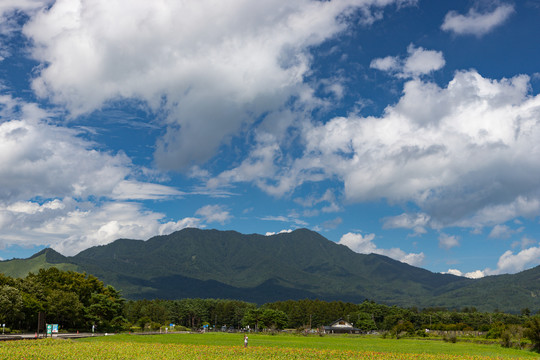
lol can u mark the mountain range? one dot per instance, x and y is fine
(256, 268)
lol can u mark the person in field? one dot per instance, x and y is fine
(245, 340)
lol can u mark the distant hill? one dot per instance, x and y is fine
(296, 265)
(44, 259)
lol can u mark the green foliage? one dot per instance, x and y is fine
(532, 332)
(274, 319)
(72, 300)
(451, 338)
(11, 305)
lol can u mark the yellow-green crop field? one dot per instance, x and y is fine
(122, 348)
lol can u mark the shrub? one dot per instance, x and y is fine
(506, 339)
(452, 338)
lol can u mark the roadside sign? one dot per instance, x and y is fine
(52, 328)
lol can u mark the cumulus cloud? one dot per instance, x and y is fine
(448, 241)
(363, 244)
(418, 62)
(465, 154)
(214, 213)
(477, 274)
(509, 262)
(70, 226)
(244, 58)
(475, 22)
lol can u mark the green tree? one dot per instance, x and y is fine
(104, 307)
(532, 332)
(274, 319)
(64, 308)
(11, 305)
(363, 321)
(253, 318)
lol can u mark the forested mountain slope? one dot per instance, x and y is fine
(296, 265)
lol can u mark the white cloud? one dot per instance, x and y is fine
(284, 231)
(9, 24)
(291, 218)
(525, 241)
(500, 213)
(476, 23)
(418, 62)
(421, 61)
(70, 226)
(509, 263)
(27, 6)
(448, 241)
(136, 190)
(328, 198)
(503, 231)
(214, 213)
(477, 274)
(57, 190)
(364, 244)
(43, 160)
(465, 154)
(244, 58)
(512, 263)
(417, 222)
(389, 63)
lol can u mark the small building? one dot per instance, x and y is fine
(341, 326)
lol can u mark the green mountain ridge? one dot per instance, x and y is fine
(296, 265)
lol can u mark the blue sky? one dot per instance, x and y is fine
(400, 127)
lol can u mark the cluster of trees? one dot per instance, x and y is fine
(70, 299)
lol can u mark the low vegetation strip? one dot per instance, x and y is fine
(353, 343)
(71, 350)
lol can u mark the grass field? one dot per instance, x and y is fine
(229, 346)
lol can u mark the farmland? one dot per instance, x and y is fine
(229, 346)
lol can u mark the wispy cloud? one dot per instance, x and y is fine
(475, 22)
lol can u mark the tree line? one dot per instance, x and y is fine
(305, 314)
(77, 301)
